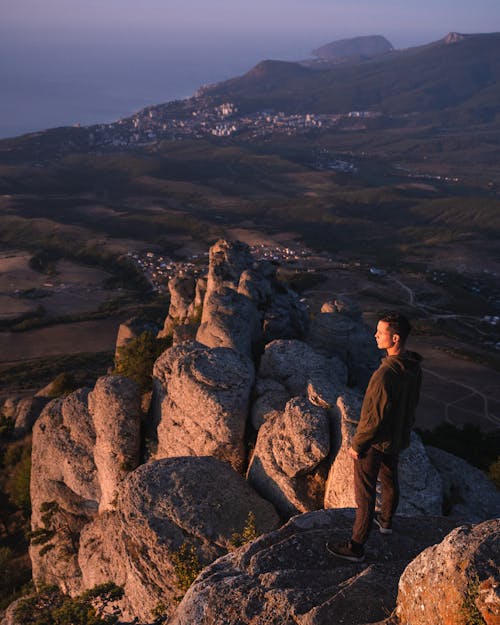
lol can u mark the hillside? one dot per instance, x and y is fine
(460, 75)
(354, 48)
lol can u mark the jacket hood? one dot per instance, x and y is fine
(408, 361)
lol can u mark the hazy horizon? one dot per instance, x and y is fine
(63, 63)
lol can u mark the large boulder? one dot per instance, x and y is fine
(227, 260)
(182, 295)
(339, 330)
(115, 406)
(83, 446)
(467, 493)
(287, 465)
(169, 514)
(65, 490)
(229, 319)
(286, 317)
(456, 581)
(288, 577)
(302, 371)
(201, 399)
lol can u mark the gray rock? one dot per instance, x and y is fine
(286, 317)
(452, 581)
(202, 396)
(288, 577)
(339, 330)
(468, 494)
(227, 261)
(270, 398)
(163, 505)
(285, 466)
(25, 413)
(182, 295)
(65, 491)
(229, 319)
(115, 406)
(295, 365)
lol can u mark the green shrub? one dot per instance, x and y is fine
(187, 567)
(17, 465)
(469, 611)
(136, 358)
(248, 533)
(50, 606)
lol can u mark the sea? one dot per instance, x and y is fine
(48, 84)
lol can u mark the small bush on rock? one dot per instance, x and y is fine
(136, 358)
(186, 565)
(50, 606)
(248, 533)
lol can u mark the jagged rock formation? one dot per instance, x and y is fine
(83, 446)
(288, 577)
(186, 300)
(456, 581)
(99, 515)
(196, 502)
(201, 402)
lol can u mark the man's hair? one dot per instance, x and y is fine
(398, 324)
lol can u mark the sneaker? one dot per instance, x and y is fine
(346, 551)
(383, 526)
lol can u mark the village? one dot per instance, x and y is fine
(152, 124)
(159, 268)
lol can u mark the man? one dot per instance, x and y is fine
(387, 417)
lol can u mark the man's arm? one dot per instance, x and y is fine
(376, 404)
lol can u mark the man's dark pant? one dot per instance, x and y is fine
(370, 466)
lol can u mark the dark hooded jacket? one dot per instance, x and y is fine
(388, 411)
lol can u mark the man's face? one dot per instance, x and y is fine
(384, 336)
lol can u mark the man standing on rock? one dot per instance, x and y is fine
(387, 417)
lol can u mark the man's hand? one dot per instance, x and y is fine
(353, 453)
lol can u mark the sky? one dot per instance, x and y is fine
(404, 23)
(93, 61)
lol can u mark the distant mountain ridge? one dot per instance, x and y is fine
(357, 47)
(459, 74)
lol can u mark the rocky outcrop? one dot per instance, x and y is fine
(229, 319)
(286, 466)
(288, 576)
(245, 306)
(339, 330)
(301, 372)
(467, 492)
(65, 491)
(456, 581)
(167, 512)
(83, 446)
(182, 294)
(420, 483)
(201, 401)
(115, 407)
(23, 412)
